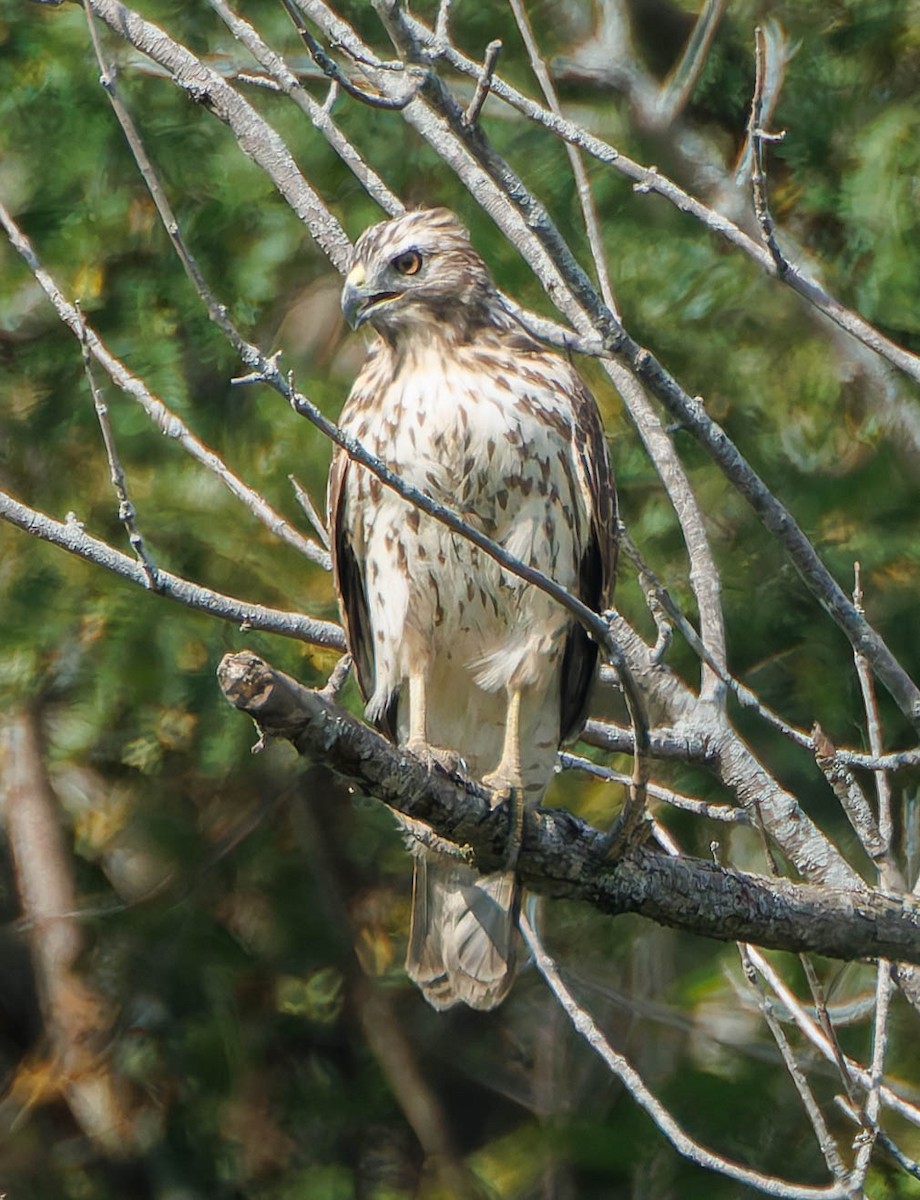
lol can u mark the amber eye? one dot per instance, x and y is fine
(408, 263)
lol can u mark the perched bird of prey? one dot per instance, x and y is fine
(455, 655)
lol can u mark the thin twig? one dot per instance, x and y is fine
(890, 875)
(870, 1110)
(630, 1078)
(332, 95)
(824, 1017)
(702, 808)
(303, 499)
(776, 59)
(852, 799)
(163, 417)
(474, 108)
(333, 71)
(758, 137)
(337, 678)
(442, 22)
(810, 1027)
(582, 182)
(805, 286)
(825, 1141)
(258, 81)
(126, 511)
(70, 535)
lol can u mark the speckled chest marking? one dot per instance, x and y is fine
(497, 447)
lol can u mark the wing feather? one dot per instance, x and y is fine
(597, 567)
(351, 588)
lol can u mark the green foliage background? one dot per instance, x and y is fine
(228, 893)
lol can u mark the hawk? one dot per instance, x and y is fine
(455, 655)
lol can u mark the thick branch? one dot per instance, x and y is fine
(561, 856)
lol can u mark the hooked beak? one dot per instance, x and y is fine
(358, 300)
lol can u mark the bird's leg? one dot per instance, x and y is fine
(506, 781)
(417, 741)
(418, 712)
(508, 772)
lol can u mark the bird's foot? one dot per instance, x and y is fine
(508, 791)
(436, 756)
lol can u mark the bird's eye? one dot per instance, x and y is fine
(408, 263)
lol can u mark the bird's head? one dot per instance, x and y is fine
(417, 273)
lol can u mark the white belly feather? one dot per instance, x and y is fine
(475, 443)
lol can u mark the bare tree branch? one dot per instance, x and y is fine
(474, 108)
(630, 1078)
(826, 1142)
(758, 138)
(126, 511)
(677, 89)
(650, 179)
(560, 855)
(702, 808)
(71, 536)
(818, 1038)
(491, 181)
(165, 420)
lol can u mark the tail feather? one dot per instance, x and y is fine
(463, 940)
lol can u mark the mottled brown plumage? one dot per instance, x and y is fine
(453, 653)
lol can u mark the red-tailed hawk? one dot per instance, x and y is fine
(451, 652)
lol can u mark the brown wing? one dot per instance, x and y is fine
(597, 568)
(351, 588)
